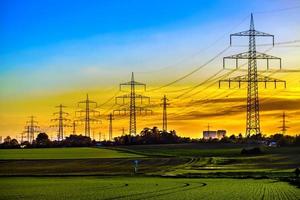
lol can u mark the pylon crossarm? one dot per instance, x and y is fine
(87, 102)
(251, 33)
(141, 97)
(79, 111)
(119, 111)
(94, 112)
(132, 83)
(64, 113)
(246, 55)
(259, 79)
(143, 110)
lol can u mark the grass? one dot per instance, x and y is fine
(185, 150)
(63, 153)
(184, 160)
(107, 188)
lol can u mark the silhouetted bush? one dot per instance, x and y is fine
(252, 151)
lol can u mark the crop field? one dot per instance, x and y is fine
(63, 153)
(182, 160)
(187, 150)
(107, 188)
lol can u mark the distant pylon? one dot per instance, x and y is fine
(74, 127)
(61, 119)
(283, 127)
(89, 115)
(252, 78)
(110, 128)
(22, 136)
(133, 108)
(31, 128)
(164, 118)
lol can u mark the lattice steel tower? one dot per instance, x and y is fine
(283, 127)
(61, 119)
(164, 104)
(110, 128)
(133, 108)
(90, 115)
(31, 128)
(252, 78)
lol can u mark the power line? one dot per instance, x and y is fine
(277, 10)
(192, 72)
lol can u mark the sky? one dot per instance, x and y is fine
(55, 52)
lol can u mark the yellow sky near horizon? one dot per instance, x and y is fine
(222, 108)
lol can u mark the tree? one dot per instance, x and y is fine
(77, 141)
(10, 143)
(7, 139)
(42, 140)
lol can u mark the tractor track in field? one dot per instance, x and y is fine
(158, 193)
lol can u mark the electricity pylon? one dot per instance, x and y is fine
(31, 128)
(252, 78)
(90, 115)
(110, 129)
(283, 127)
(164, 104)
(22, 136)
(74, 127)
(133, 108)
(61, 119)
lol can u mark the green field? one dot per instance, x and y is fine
(177, 171)
(63, 153)
(143, 188)
(184, 160)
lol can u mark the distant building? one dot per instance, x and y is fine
(219, 134)
(209, 134)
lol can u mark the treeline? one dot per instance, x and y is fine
(279, 140)
(150, 136)
(43, 141)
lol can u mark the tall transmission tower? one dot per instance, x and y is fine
(164, 104)
(31, 128)
(89, 115)
(283, 127)
(61, 119)
(252, 78)
(110, 128)
(132, 108)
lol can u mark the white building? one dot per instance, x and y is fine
(219, 134)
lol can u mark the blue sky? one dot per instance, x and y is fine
(31, 23)
(75, 42)
(35, 34)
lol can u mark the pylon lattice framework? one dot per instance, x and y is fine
(31, 128)
(61, 119)
(252, 78)
(164, 104)
(90, 115)
(110, 128)
(132, 108)
(283, 127)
